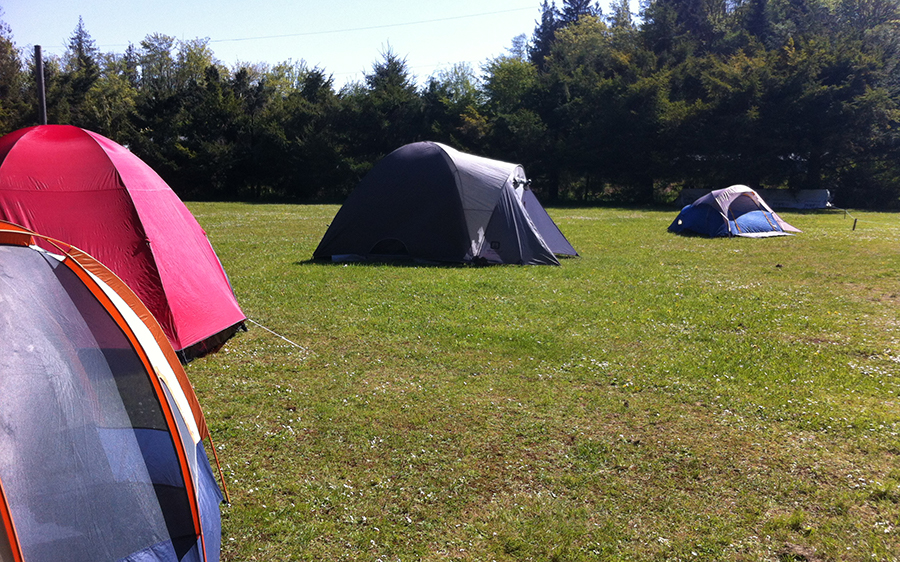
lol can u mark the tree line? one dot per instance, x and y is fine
(796, 94)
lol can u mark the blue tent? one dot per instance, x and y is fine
(733, 211)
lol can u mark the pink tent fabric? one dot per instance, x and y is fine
(88, 191)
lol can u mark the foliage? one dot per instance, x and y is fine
(382, 114)
(12, 103)
(81, 70)
(695, 93)
(454, 102)
(544, 33)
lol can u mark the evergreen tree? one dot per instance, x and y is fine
(756, 20)
(661, 33)
(159, 113)
(681, 28)
(572, 10)
(131, 64)
(81, 69)
(544, 32)
(390, 78)
(385, 112)
(12, 81)
(200, 149)
(606, 116)
(252, 93)
(314, 165)
(82, 53)
(620, 15)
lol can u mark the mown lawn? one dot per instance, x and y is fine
(658, 398)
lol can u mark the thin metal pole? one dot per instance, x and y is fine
(39, 81)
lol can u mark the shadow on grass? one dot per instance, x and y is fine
(390, 263)
(413, 263)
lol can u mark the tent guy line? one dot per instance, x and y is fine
(297, 345)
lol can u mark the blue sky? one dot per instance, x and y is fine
(345, 37)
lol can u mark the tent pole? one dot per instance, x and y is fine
(39, 81)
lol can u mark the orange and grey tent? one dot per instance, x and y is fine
(101, 433)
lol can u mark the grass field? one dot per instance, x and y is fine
(658, 398)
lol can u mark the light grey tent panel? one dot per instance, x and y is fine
(551, 233)
(512, 236)
(479, 181)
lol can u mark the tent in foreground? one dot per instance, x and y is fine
(733, 211)
(428, 202)
(78, 186)
(101, 452)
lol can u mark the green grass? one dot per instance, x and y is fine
(658, 398)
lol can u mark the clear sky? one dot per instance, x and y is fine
(344, 37)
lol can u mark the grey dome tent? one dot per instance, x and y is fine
(428, 202)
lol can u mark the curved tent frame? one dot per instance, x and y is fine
(127, 394)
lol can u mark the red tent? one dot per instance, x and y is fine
(88, 191)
